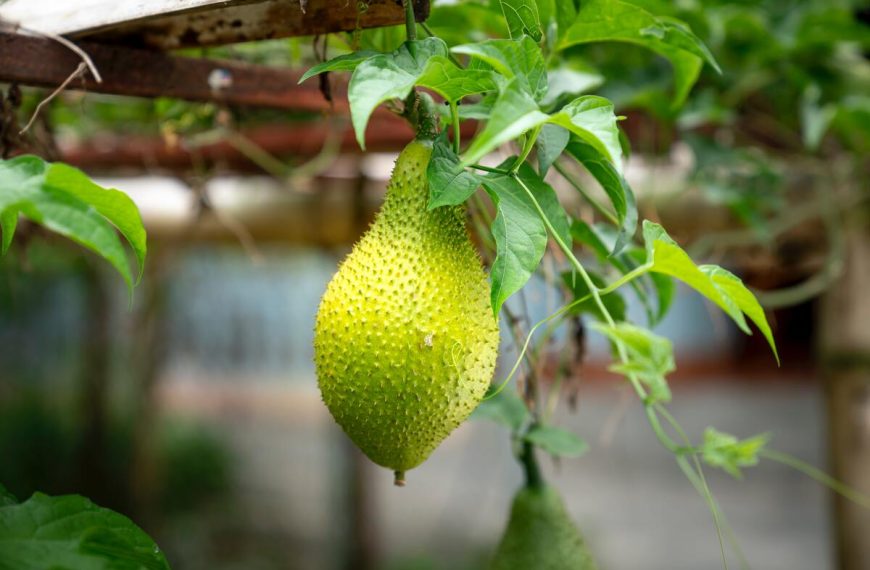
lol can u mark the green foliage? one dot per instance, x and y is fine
(718, 285)
(556, 441)
(522, 18)
(650, 358)
(613, 184)
(729, 453)
(345, 62)
(505, 408)
(449, 183)
(66, 201)
(71, 532)
(6, 498)
(388, 76)
(519, 230)
(609, 20)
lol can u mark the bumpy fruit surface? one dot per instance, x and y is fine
(540, 535)
(405, 341)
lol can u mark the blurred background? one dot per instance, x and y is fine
(194, 408)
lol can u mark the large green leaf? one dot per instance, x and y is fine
(449, 182)
(556, 441)
(612, 20)
(522, 18)
(551, 142)
(72, 533)
(515, 59)
(66, 201)
(515, 112)
(519, 231)
(566, 82)
(718, 285)
(453, 82)
(592, 120)
(112, 204)
(346, 62)
(388, 76)
(613, 184)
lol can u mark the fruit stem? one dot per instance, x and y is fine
(527, 458)
(410, 20)
(418, 112)
(399, 481)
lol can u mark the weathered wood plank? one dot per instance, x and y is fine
(169, 24)
(146, 73)
(845, 355)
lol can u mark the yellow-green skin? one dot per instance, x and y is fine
(540, 535)
(405, 342)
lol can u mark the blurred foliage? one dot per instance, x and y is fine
(45, 438)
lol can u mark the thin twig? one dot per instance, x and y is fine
(78, 72)
(86, 59)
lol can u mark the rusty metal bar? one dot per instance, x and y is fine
(144, 73)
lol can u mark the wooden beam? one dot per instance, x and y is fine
(303, 140)
(386, 133)
(145, 73)
(844, 343)
(170, 24)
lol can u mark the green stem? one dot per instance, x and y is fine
(454, 114)
(593, 289)
(410, 21)
(851, 494)
(630, 276)
(527, 459)
(489, 169)
(599, 207)
(528, 145)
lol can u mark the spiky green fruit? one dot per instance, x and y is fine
(405, 341)
(540, 535)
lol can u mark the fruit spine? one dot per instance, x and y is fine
(405, 340)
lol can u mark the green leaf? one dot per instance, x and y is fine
(514, 113)
(6, 498)
(614, 185)
(112, 204)
(732, 287)
(453, 82)
(388, 76)
(72, 533)
(346, 62)
(727, 452)
(592, 120)
(514, 59)
(650, 357)
(519, 232)
(567, 82)
(611, 20)
(522, 18)
(550, 144)
(718, 285)
(613, 302)
(546, 198)
(556, 441)
(601, 238)
(506, 408)
(449, 182)
(66, 202)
